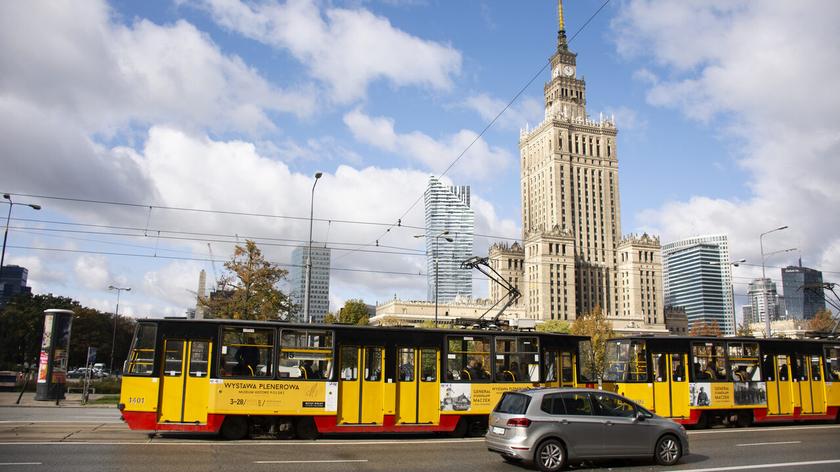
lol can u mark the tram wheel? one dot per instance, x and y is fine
(745, 419)
(234, 428)
(305, 428)
(460, 429)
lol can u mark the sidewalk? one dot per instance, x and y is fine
(72, 400)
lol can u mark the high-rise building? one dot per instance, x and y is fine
(698, 277)
(640, 283)
(319, 286)
(13, 282)
(764, 300)
(803, 291)
(448, 211)
(571, 220)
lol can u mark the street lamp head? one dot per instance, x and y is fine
(7, 196)
(111, 287)
(419, 235)
(318, 175)
(128, 289)
(444, 233)
(781, 228)
(34, 206)
(449, 240)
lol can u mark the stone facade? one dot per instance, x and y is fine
(640, 289)
(416, 312)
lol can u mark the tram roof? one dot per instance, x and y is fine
(696, 339)
(343, 327)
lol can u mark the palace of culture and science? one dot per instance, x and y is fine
(573, 257)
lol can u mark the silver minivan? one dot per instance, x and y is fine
(549, 426)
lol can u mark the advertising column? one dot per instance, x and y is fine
(55, 345)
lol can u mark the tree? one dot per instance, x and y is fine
(554, 326)
(595, 325)
(390, 320)
(248, 291)
(822, 322)
(354, 312)
(22, 327)
(744, 329)
(705, 328)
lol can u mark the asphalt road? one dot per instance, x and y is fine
(39, 442)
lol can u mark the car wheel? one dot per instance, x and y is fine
(668, 450)
(550, 456)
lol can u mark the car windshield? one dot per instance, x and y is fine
(513, 403)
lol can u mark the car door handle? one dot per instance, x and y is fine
(564, 421)
(608, 423)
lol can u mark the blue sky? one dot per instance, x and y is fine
(230, 105)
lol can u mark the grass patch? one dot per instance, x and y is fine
(105, 400)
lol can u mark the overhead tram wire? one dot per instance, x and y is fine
(483, 131)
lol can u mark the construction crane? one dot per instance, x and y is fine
(213, 263)
(481, 264)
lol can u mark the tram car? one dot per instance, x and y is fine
(734, 381)
(240, 377)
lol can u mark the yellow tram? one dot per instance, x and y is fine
(699, 380)
(237, 377)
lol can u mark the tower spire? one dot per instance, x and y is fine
(561, 33)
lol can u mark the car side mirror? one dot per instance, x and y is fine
(640, 416)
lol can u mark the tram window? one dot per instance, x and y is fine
(247, 352)
(832, 363)
(783, 368)
(815, 368)
(549, 363)
(798, 369)
(678, 374)
(141, 358)
(566, 368)
(373, 364)
(467, 358)
(349, 363)
(305, 354)
(586, 361)
(173, 357)
(517, 359)
(659, 367)
(428, 365)
(626, 361)
(709, 361)
(405, 364)
(767, 367)
(743, 362)
(199, 351)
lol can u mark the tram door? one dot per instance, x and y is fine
(670, 385)
(784, 392)
(567, 369)
(418, 386)
(185, 381)
(802, 384)
(361, 387)
(817, 385)
(559, 369)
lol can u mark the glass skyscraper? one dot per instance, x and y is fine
(803, 292)
(448, 209)
(697, 276)
(319, 287)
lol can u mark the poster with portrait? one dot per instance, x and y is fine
(455, 397)
(700, 394)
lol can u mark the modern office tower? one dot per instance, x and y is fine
(319, 286)
(763, 300)
(747, 313)
(803, 291)
(640, 281)
(698, 277)
(448, 210)
(13, 282)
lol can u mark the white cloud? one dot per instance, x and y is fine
(523, 111)
(766, 74)
(92, 271)
(174, 283)
(345, 48)
(482, 161)
(104, 76)
(39, 274)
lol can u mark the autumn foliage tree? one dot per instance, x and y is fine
(554, 326)
(248, 290)
(354, 312)
(595, 325)
(822, 322)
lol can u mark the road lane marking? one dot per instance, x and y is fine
(768, 443)
(763, 466)
(342, 461)
(763, 429)
(19, 463)
(273, 442)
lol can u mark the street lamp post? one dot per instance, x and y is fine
(309, 251)
(6, 233)
(448, 239)
(116, 315)
(763, 276)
